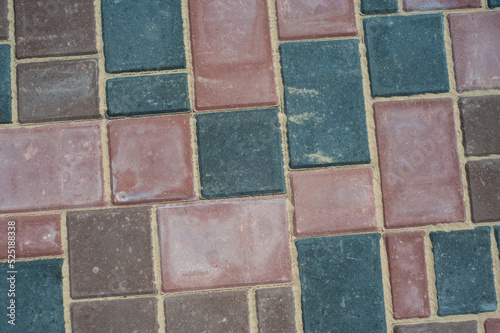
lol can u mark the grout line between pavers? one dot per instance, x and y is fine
(156, 252)
(65, 274)
(13, 75)
(252, 311)
(431, 277)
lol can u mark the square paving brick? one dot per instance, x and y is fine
(5, 89)
(228, 243)
(372, 7)
(493, 3)
(59, 90)
(406, 254)
(464, 271)
(4, 21)
(110, 252)
(484, 189)
(54, 28)
(240, 153)
(333, 201)
(459, 327)
(275, 310)
(476, 45)
(143, 95)
(341, 281)
(418, 5)
(163, 147)
(124, 315)
(303, 19)
(406, 55)
(210, 313)
(36, 236)
(419, 165)
(492, 325)
(38, 297)
(232, 55)
(324, 103)
(480, 124)
(51, 167)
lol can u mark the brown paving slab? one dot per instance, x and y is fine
(4, 21)
(417, 5)
(275, 310)
(492, 325)
(452, 327)
(484, 189)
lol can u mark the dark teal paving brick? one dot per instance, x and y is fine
(38, 299)
(464, 271)
(341, 281)
(142, 35)
(143, 95)
(5, 92)
(240, 153)
(324, 103)
(493, 3)
(371, 7)
(406, 55)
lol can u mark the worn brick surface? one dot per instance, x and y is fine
(418, 5)
(453, 327)
(151, 159)
(372, 7)
(492, 325)
(303, 19)
(484, 189)
(275, 310)
(51, 167)
(224, 243)
(4, 22)
(421, 176)
(333, 201)
(110, 252)
(493, 3)
(59, 90)
(406, 255)
(232, 56)
(476, 45)
(5, 89)
(341, 284)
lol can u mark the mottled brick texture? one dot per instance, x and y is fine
(5, 88)
(484, 189)
(419, 5)
(275, 310)
(4, 22)
(453, 327)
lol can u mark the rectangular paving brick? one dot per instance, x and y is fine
(454, 327)
(51, 167)
(419, 5)
(419, 165)
(238, 242)
(4, 21)
(464, 271)
(476, 45)
(492, 325)
(110, 252)
(493, 3)
(324, 103)
(341, 281)
(59, 90)
(163, 147)
(232, 55)
(303, 19)
(35, 236)
(372, 7)
(484, 189)
(5, 89)
(333, 201)
(406, 255)
(146, 95)
(275, 310)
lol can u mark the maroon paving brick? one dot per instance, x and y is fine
(333, 201)
(492, 325)
(232, 56)
(419, 165)
(417, 5)
(476, 45)
(36, 236)
(151, 159)
(224, 243)
(408, 274)
(453, 327)
(275, 310)
(59, 90)
(484, 189)
(4, 21)
(303, 19)
(51, 167)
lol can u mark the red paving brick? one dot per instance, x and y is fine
(416, 5)
(492, 325)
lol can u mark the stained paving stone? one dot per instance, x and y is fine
(333, 201)
(406, 55)
(5, 89)
(341, 281)
(54, 28)
(35, 236)
(372, 7)
(302, 19)
(237, 242)
(408, 276)
(476, 45)
(232, 55)
(492, 325)
(240, 153)
(124, 315)
(464, 271)
(59, 90)
(324, 103)
(455, 327)
(420, 5)
(38, 297)
(4, 21)
(419, 164)
(110, 252)
(51, 167)
(211, 313)
(493, 3)
(275, 310)
(484, 189)
(146, 95)
(163, 147)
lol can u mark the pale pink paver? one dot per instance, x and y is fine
(333, 201)
(226, 243)
(417, 5)
(492, 325)
(406, 254)
(51, 167)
